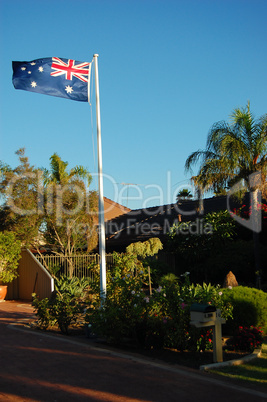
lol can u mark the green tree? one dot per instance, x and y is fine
(235, 152)
(20, 190)
(142, 251)
(52, 207)
(196, 241)
(70, 210)
(184, 194)
(9, 256)
(146, 248)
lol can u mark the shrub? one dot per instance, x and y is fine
(65, 306)
(124, 306)
(247, 339)
(154, 320)
(41, 308)
(9, 256)
(65, 309)
(249, 308)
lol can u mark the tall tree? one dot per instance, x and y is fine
(9, 256)
(70, 210)
(52, 207)
(20, 190)
(235, 152)
(184, 194)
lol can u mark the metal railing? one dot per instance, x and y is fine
(79, 265)
(82, 265)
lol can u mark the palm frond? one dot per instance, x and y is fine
(233, 151)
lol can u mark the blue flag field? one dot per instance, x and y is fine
(53, 76)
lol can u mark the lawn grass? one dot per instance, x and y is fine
(253, 372)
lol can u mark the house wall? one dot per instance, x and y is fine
(33, 278)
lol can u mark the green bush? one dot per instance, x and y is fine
(65, 306)
(249, 308)
(41, 308)
(153, 320)
(247, 339)
(125, 302)
(10, 249)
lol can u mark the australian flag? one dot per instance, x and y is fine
(54, 76)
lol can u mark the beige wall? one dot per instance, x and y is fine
(33, 278)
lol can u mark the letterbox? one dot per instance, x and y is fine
(205, 315)
(202, 313)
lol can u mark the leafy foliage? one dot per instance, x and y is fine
(9, 256)
(247, 339)
(154, 320)
(249, 307)
(65, 306)
(20, 190)
(53, 206)
(184, 194)
(42, 310)
(69, 209)
(146, 248)
(195, 242)
(233, 151)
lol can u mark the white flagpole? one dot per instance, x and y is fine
(102, 241)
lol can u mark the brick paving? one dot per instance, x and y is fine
(35, 367)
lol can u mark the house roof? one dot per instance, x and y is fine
(142, 224)
(112, 209)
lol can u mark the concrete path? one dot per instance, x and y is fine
(36, 366)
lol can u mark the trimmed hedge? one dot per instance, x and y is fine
(249, 308)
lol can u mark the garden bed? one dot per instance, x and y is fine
(172, 356)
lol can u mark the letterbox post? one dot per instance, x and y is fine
(217, 342)
(207, 316)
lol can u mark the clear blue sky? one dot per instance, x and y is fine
(168, 70)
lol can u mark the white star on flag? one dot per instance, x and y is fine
(54, 76)
(68, 89)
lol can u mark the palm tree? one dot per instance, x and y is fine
(59, 174)
(70, 209)
(184, 194)
(199, 191)
(235, 152)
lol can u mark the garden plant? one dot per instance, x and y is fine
(66, 305)
(156, 319)
(9, 256)
(150, 313)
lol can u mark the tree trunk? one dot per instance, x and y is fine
(200, 208)
(256, 228)
(71, 267)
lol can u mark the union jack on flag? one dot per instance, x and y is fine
(70, 69)
(54, 76)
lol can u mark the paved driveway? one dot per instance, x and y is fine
(40, 367)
